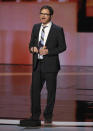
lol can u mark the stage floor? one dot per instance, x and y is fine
(16, 128)
(74, 97)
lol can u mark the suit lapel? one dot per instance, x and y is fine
(38, 29)
(50, 32)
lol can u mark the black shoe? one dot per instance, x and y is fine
(48, 122)
(30, 122)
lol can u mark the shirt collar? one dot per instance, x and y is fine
(48, 24)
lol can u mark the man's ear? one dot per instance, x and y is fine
(51, 16)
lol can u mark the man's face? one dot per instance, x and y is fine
(45, 16)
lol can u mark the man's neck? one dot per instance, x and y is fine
(46, 23)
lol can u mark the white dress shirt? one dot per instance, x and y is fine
(47, 29)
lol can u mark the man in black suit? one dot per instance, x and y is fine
(47, 41)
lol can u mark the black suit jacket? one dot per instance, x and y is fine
(55, 44)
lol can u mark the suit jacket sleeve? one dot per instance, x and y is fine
(33, 39)
(61, 43)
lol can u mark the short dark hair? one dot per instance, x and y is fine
(49, 8)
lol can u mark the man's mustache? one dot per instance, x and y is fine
(43, 18)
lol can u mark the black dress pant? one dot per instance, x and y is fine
(39, 76)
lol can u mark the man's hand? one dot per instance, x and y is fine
(43, 51)
(34, 49)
